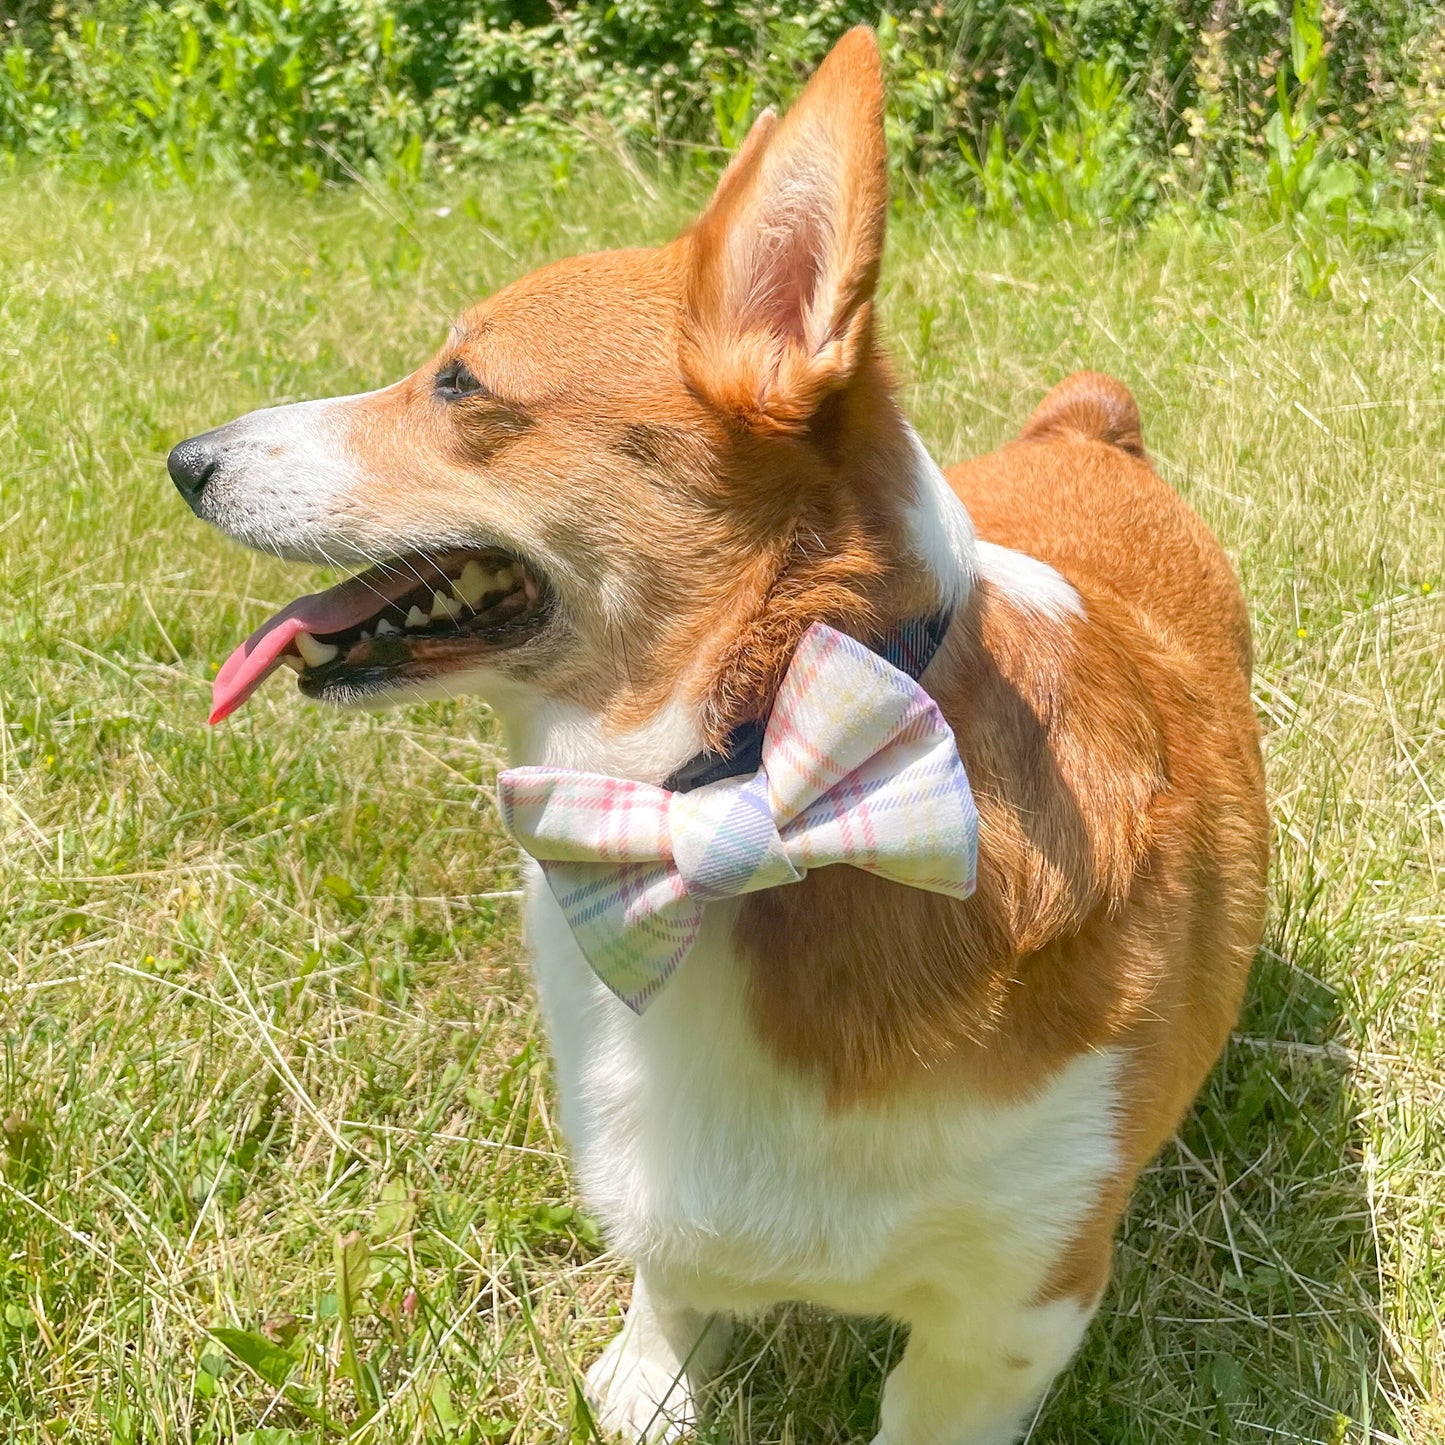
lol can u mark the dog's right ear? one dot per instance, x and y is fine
(782, 265)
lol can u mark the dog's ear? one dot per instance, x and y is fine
(782, 265)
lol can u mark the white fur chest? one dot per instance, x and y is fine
(728, 1177)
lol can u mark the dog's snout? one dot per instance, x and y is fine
(192, 463)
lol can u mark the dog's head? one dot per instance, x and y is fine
(627, 482)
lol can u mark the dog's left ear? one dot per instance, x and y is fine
(782, 265)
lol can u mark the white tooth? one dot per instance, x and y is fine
(473, 584)
(444, 607)
(383, 627)
(314, 652)
(417, 618)
(289, 659)
(505, 580)
(365, 635)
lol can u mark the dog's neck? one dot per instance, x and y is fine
(938, 531)
(939, 527)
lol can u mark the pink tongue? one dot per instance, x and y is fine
(250, 665)
(352, 603)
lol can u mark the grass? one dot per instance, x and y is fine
(278, 1144)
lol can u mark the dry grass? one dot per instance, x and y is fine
(260, 986)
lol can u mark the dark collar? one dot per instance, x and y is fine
(909, 646)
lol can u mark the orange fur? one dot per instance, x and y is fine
(708, 430)
(1091, 406)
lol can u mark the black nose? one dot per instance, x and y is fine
(192, 463)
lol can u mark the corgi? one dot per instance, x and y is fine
(612, 505)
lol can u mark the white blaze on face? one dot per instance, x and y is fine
(286, 481)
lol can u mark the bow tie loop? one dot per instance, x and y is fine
(858, 767)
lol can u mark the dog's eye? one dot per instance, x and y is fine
(457, 379)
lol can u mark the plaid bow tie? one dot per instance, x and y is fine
(858, 767)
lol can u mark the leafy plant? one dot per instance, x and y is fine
(1077, 163)
(1084, 111)
(1303, 174)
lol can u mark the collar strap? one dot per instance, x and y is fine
(909, 646)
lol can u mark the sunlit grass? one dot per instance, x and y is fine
(260, 986)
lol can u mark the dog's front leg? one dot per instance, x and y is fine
(978, 1380)
(648, 1381)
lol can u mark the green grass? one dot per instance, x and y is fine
(260, 986)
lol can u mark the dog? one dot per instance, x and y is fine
(616, 504)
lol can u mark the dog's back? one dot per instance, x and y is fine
(1076, 491)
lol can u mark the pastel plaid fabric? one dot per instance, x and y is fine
(859, 767)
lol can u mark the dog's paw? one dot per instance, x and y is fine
(638, 1397)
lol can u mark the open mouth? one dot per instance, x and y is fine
(408, 621)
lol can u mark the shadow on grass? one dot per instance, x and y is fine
(1245, 1299)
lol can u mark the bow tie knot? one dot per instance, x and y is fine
(725, 842)
(858, 767)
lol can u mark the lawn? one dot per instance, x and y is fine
(278, 1140)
